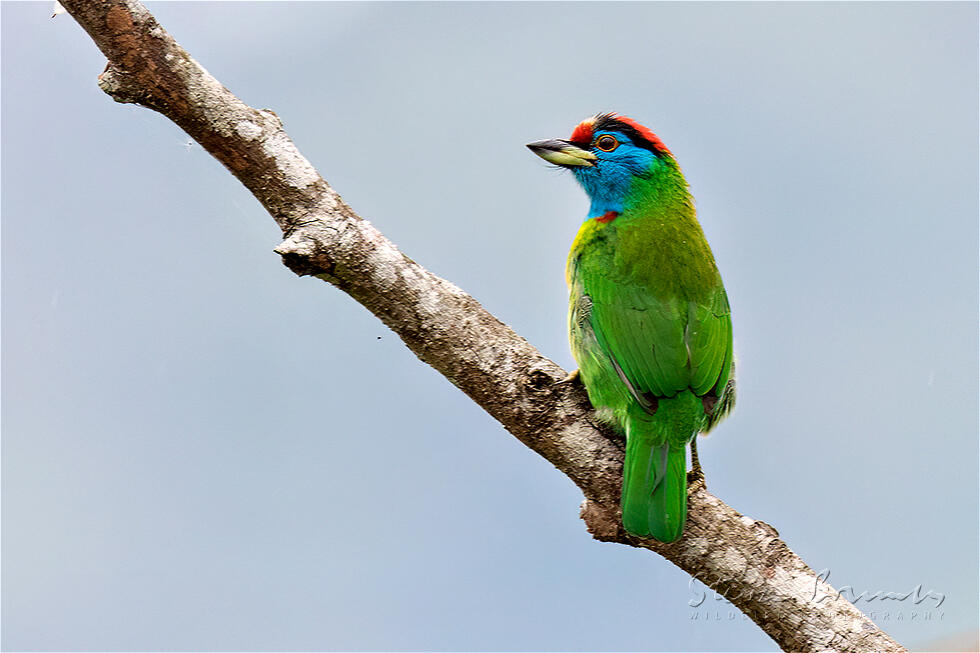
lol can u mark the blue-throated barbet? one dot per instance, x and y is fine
(649, 321)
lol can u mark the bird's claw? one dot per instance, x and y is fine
(695, 480)
(571, 378)
(695, 477)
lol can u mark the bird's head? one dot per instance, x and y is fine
(607, 153)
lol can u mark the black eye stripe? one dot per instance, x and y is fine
(608, 122)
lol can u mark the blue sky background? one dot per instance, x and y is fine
(203, 452)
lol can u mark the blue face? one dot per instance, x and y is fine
(608, 179)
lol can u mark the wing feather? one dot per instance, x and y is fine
(661, 346)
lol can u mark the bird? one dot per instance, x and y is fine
(649, 319)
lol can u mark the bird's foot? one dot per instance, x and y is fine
(695, 477)
(695, 480)
(571, 378)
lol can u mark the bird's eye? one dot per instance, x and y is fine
(606, 143)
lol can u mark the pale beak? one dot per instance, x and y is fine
(562, 153)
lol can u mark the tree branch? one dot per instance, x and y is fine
(741, 558)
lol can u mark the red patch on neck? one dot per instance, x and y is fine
(583, 132)
(608, 217)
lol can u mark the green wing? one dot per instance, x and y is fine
(661, 346)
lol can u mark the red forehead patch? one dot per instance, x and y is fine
(583, 131)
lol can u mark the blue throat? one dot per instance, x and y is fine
(610, 180)
(601, 207)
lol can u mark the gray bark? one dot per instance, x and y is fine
(739, 557)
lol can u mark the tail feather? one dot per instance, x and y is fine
(654, 498)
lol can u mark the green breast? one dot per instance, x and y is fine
(663, 252)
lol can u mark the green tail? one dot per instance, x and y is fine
(654, 496)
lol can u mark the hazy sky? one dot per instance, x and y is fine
(201, 451)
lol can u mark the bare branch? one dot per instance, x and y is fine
(741, 558)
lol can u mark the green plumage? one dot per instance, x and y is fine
(651, 330)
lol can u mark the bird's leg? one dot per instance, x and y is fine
(571, 378)
(695, 477)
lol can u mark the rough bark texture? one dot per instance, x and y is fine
(741, 558)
